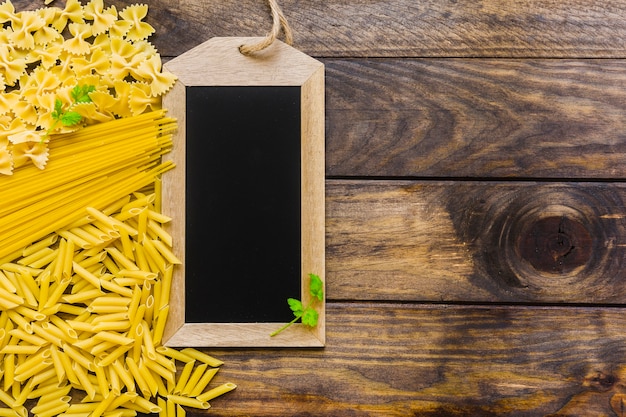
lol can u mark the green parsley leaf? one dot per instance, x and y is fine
(80, 93)
(316, 287)
(295, 306)
(58, 110)
(71, 118)
(309, 317)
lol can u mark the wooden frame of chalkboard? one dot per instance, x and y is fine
(247, 194)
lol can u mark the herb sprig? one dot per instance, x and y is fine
(308, 315)
(70, 117)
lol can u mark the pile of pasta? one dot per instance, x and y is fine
(84, 309)
(86, 261)
(45, 53)
(85, 301)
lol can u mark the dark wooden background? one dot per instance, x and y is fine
(456, 131)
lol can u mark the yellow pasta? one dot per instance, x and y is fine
(174, 354)
(9, 372)
(85, 293)
(165, 373)
(162, 404)
(84, 381)
(171, 407)
(202, 357)
(188, 401)
(143, 405)
(35, 369)
(9, 300)
(27, 337)
(194, 378)
(159, 327)
(114, 337)
(148, 345)
(6, 284)
(60, 404)
(203, 382)
(36, 256)
(21, 394)
(123, 374)
(86, 275)
(149, 378)
(217, 391)
(84, 359)
(57, 363)
(137, 376)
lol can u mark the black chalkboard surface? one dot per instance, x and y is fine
(243, 203)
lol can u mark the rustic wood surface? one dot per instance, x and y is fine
(449, 126)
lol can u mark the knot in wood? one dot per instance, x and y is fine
(555, 244)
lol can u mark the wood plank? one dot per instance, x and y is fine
(351, 28)
(476, 118)
(476, 241)
(399, 360)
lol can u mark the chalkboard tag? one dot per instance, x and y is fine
(247, 194)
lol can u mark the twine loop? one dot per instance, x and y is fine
(279, 22)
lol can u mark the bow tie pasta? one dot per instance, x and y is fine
(47, 55)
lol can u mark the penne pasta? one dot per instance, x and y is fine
(188, 402)
(36, 256)
(124, 375)
(84, 359)
(171, 407)
(22, 395)
(57, 363)
(20, 349)
(27, 337)
(49, 392)
(45, 242)
(6, 284)
(143, 405)
(162, 404)
(163, 372)
(9, 300)
(202, 357)
(217, 391)
(114, 337)
(103, 405)
(8, 363)
(85, 382)
(203, 382)
(194, 378)
(184, 377)
(35, 369)
(43, 407)
(148, 377)
(159, 327)
(86, 275)
(138, 377)
(174, 354)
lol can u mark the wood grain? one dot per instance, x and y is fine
(476, 118)
(403, 360)
(464, 241)
(485, 90)
(401, 28)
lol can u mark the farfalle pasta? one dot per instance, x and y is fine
(46, 53)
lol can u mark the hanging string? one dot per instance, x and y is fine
(279, 22)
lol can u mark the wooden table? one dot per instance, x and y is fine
(475, 207)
